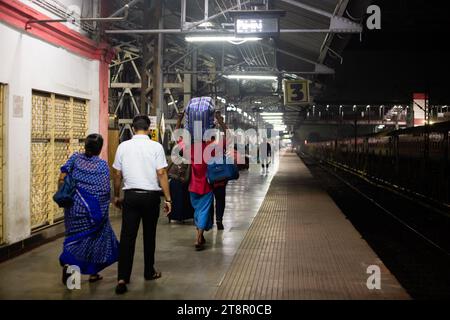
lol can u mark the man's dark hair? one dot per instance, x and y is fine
(141, 122)
(93, 145)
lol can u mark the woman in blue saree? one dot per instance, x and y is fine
(90, 242)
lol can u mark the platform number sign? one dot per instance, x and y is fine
(296, 92)
(154, 128)
(154, 135)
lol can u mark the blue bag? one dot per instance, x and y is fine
(221, 169)
(64, 197)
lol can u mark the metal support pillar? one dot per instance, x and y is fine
(194, 84)
(187, 80)
(187, 88)
(146, 56)
(157, 93)
(206, 9)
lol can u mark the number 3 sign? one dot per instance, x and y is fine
(296, 92)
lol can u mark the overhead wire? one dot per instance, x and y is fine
(250, 54)
(252, 49)
(244, 56)
(263, 54)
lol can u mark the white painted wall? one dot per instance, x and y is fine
(72, 6)
(27, 63)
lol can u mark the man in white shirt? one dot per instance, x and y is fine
(141, 164)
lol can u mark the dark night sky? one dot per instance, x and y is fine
(410, 54)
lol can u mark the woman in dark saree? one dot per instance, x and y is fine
(90, 242)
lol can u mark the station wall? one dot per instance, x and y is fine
(28, 63)
(84, 8)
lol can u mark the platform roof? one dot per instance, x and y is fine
(290, 52)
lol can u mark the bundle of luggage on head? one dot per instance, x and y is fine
(199, 110)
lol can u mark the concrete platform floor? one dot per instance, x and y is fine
(187, 274)
(284, 238)
(301, 246)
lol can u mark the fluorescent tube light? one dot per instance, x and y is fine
(219, 39)
(272, 117)
(251, 77)
(206, 24)
(272, 114)
(265, 119)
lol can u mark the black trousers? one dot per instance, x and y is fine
(265, 162)
(136, 206)
(219, 196)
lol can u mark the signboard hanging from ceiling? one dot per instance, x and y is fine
(262, 23)
(154, 128)
(296, 92)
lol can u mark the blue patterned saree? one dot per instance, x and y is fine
(90, 242)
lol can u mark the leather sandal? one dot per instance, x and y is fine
(95, 278)
(154, 276)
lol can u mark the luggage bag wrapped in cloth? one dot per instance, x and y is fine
(199, 109)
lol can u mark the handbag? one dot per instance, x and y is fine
(180, 172)
(64, 197)
(221, 169)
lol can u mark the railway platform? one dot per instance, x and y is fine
(284, 238)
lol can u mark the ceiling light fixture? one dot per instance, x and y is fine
(272, 117)
(233, 39)
(206, 24)
(272, 114)
(251, 77)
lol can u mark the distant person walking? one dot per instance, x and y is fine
(141, 164)
(265, 155)
(90, 242)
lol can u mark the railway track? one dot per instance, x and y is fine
(410, 235)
